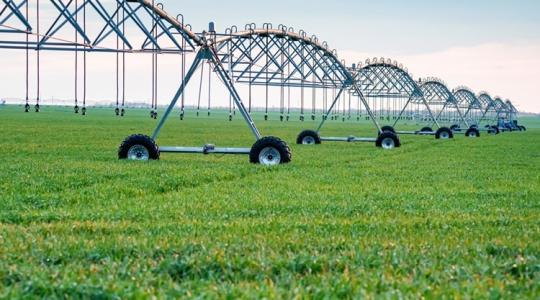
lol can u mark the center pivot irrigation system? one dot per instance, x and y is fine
(293, 64)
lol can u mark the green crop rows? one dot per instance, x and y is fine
(433, 219)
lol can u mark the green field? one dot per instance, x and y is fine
(433, 219)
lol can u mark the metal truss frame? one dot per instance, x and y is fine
(467, 100)
(281, 57)
(156, 30)
(437, 93)
(384, 79)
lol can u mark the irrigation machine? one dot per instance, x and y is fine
(252, 64)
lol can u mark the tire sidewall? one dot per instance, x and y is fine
(306, 133)
(273, 142)
(142, 140)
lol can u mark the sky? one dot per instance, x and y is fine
(485, 45)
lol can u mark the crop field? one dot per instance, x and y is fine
(433, 219)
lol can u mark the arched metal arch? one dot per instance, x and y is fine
(387, 78)
(468, 101)
(488, 105)
(437, 93)
(467, 98)
(511, 106)
(512, 111)
(150, 28)
(486, 100)
(500, 106)
(280, 57)
(382, 79)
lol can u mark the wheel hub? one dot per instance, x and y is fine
(445, 135)
(270, 156)
(138, 152)
(388, 143)
(308, 140)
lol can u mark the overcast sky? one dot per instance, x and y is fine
(486, 45)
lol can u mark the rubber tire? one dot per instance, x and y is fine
(388, 134)
(270, 141)
(474, 126)
(441, 130)
(139, 139)
(455, 127)
(523, 128)
(306, 133)
(388, 128)
(496, 129)
(426, 129)
(470, 130)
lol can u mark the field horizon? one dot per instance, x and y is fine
(432, 219)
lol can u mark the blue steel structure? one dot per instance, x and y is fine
(390, 86)
(151, 28)
(86, 26)
(489, 116)
(365, 84)
(445, 104)
(398, 96)
(269, 57)
(504, 115)
(265, 56)
(282, 58)
(468, 102)
(512, 114)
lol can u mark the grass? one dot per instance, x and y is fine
(433, 219)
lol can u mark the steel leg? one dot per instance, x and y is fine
(330, 109)
(200, 56)
(222, 73)
(368, 109)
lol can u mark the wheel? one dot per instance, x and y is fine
(388, 140)
(495, 129)
(426, 129)
(444, 133)
(138, 147)
(472, 132)
(308, 137)
(474, 126)
(388, 128)
(455, 127)
(270, 151)
(523, 128)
